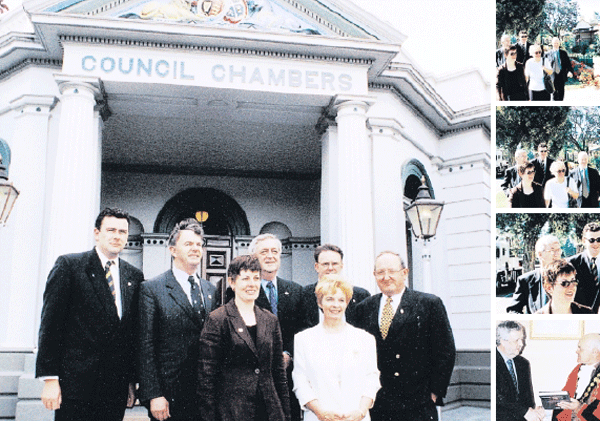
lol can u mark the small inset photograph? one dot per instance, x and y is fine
(548, 370)
(547, 157)
(548, 50)
(547, 263)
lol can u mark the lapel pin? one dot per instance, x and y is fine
(401, 311)
(209, 297)
(287, 293)
(240, 330)
(129, 284)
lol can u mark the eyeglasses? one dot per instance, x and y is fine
(383, 272)
(593, 240)
(512, 54)
(543, 150)
(537, 52)
(530, 172)
(524, 36)
(554, 250)
(567, 284)
(559, 171)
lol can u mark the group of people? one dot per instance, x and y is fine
(515, 399)
(265, 349)
(561, 286)
(522, 67)
(544, 182)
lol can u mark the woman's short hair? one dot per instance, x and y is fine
(557, 165)
(523, 168)
(509, 49)
(534, 47)
(329, 284)
(554, 270)
(240, 263)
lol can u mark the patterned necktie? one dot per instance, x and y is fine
(511, 370)
(594, 270)
(386, 317)
(586, 186)
(196, 298)
(110, 280)
(272, 297)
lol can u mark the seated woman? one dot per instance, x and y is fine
(510, 79)
(335, 364)
(527, 194)
(241, 371)
(560, 285)
(558, 189)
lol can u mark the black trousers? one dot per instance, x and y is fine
(76, 410)
(540, 96)
(559, 89)
(427, 412)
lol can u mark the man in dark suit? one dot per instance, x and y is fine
(87, 330)
(523, 47)
(173, 307)
(504, 44)
(511, 176)
(542, 165)
(328, 259)
(514, 390)
(281, 297)
(587, 181)
(563, 69)
(586, 265)
(529, 295)
(415, 345)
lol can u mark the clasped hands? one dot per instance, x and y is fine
(333, 416)
(535, 414)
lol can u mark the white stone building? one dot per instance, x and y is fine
(299, 117)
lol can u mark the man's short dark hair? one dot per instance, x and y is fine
(523, 32)
(590, 227)
(327, 247)
(542, 145)
(555, 269)
(504, 328)
(240, 263)
(509, 49)
(189, 224)
(114, 212)
(524, 167)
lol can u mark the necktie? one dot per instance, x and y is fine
(110, 280)
(511, 370)
(196, 298)
(272, 297)
(558, 66)
(586, 186)
(386, 317)
(594, 270)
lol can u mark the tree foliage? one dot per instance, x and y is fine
(529, 126)
(515, 15)
(560, 16)
(584, 125)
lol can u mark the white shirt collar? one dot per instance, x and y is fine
(104, 259)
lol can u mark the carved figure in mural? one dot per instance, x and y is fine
(181, 10)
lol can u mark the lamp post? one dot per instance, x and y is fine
(8, 193)
(424, 215)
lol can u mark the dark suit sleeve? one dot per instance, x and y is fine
(209, 367)
(443, 349)
(507, 407)
(513, 198)
(278, 372)
(506, 184)
(520, 297)
(150, 387)
(54, 313)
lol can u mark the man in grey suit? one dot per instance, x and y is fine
(173, 307)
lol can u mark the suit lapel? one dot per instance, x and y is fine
(283, 295)
(97, 278)
(207, 296)
(262, 300)
(240, 327)
(404, 310)
(502, 370)
(126, 287)
(176, 293)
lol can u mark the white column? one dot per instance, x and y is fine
(388, 190)
(346, 190)
(75, 198)
(21, 268)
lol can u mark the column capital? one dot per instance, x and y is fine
(74, 85)
(340, 102)
(33, 104)
(385, 126)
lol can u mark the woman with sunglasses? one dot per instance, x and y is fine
(558, 189)
(560, 286)
(534, 74)
(510, 80)
(527, 194)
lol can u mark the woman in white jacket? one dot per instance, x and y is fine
(335, 364)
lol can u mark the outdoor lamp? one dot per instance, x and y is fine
(8, 193)
(424, 213)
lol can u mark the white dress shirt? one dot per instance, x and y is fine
(114, 271)
(182, 279)
(395, 303)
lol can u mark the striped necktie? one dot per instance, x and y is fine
(110, 280)
(511, 370)
(272, 297)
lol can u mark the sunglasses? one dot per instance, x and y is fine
(530, 172)
(513, 54)
(559, 171)
(537, 52)
(593, 240)
(567, 284)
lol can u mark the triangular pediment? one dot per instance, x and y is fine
(307, 17)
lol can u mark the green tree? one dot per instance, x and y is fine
(515, 15)
(560, 16)
(530, 126)
(584, 125)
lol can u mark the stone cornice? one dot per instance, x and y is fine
(40, 62)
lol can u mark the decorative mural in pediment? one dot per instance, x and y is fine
(262, 15)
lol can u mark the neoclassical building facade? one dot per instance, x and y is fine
(304, 118)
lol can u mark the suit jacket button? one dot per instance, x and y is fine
(397, 356)
(257, 371)
(396, 374)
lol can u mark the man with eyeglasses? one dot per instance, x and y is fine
(415, 345)
(511, 176)
(586, 265)
(514, 391)
(523, 48)
(328, 259)
(587, 181)
(542, 165)
(563, 69)
(529, 295)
